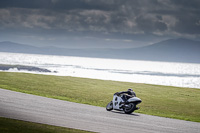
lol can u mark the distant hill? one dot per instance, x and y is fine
(18, 48)
(173, 50)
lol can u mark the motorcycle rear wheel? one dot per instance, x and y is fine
(109, 107)
(131, 108)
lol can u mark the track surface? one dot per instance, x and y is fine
(85, 117)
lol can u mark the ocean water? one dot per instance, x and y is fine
(149, 72)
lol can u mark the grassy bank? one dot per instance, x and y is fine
(17, 126)
(172, 102)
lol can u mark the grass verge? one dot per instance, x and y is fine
(165, 101)
(17, 126)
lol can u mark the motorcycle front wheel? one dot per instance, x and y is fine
(130, 108)
(109, 107)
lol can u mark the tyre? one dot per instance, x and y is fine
(130, 108)
(109, 107)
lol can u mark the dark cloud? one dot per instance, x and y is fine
(150, 24)
(192, 4)
(24, 3)
(188, 25)
(56, 4)
(106, 19)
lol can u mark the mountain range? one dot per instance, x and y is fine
(172, 50)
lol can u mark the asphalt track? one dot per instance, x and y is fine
(39, 109)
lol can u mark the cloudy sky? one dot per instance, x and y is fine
(98, 23)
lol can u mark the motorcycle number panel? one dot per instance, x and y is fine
(116, 101)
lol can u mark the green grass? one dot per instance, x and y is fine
(165, 101)
(18, 126)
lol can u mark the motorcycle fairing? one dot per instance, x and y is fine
(134, 99)
(116, 102)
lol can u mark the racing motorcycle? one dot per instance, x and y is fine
(118, 103)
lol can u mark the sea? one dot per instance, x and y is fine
(136, 71)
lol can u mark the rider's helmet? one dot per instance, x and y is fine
(130, 89)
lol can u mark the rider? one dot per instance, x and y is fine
(130, 93)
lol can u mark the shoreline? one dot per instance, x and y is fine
(6, 67)
(42, 71)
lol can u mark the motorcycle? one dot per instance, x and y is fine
(118, 103)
